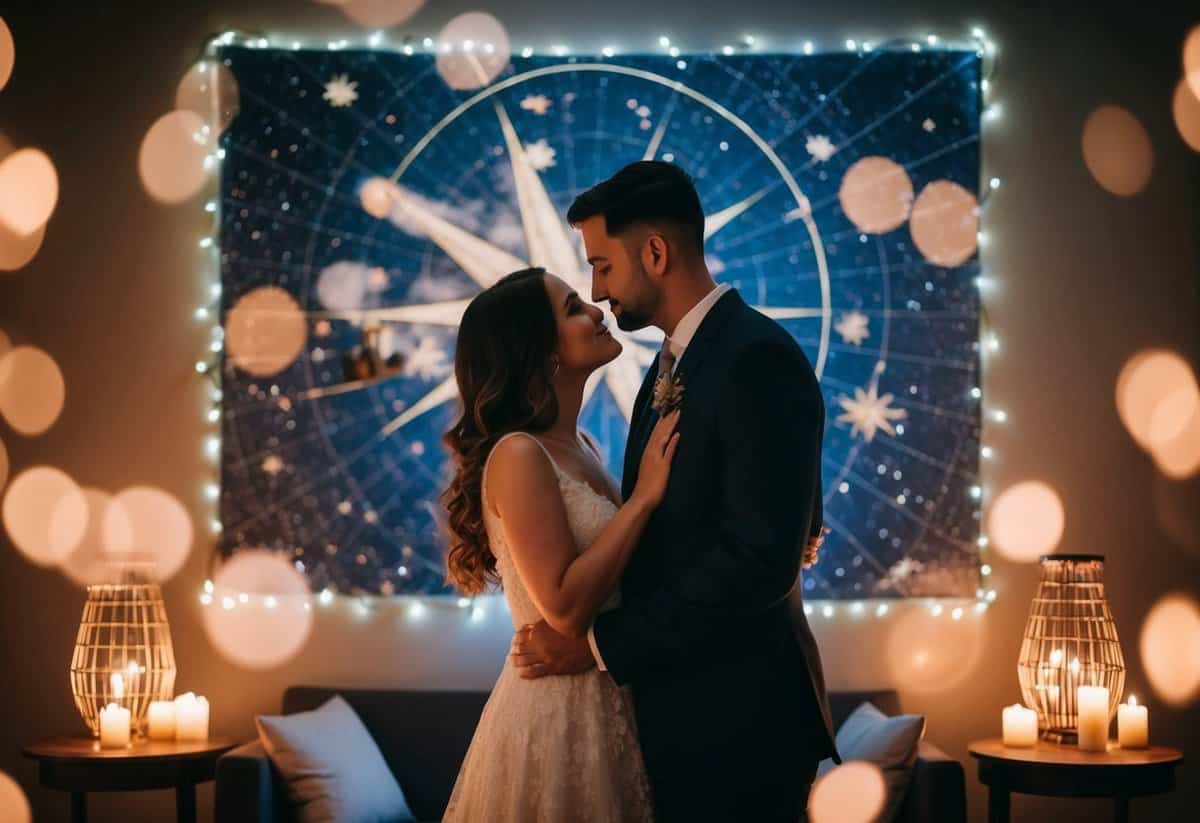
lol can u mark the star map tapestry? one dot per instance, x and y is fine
(364, 201)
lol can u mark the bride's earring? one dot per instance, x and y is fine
(557, 363)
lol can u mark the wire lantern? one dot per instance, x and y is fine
(1070, 641)
(123, 652)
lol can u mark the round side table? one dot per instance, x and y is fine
(78, 765)
(1058, 770)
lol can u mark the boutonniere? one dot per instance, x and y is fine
(668, 394)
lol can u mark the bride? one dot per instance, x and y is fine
(531, 507)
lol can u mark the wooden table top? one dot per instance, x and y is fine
(1068, 754)
(79, 748)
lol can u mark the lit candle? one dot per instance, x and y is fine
(162, 720)
(191, 717)
(1093, 718)
(114, 726)
(1133, 725)
(1020, 725)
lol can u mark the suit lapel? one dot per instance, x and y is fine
(644, 416)
(707, 335)
(635, 441)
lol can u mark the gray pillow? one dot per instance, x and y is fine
(888, 742)
(332, 767)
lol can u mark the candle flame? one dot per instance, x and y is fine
(1132, 700)
(118, 685)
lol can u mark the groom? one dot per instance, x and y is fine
(711, 634)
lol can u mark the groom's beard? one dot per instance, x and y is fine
(631, 321)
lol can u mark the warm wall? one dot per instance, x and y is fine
(1084, 281)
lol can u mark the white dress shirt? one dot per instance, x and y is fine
(685, 330)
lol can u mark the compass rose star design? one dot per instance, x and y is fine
(868, 413)
(551, 244)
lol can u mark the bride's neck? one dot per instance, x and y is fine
(569, 392)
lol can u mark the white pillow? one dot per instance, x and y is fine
(332, 767)
(888, 742)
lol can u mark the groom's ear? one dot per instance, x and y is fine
(656, 254)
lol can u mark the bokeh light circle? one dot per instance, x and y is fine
(265, 331)
(8, 53)
(45, 514)
(90, 561)
(1185, 107)
(379, 196)
(378, 14)
(945, 223)
(473, 50)
(929, 654)
(1170, 648)
(1154, 390)
(853, 792)
(32, 390)
(147, 528)
(28, 190)
(210, 90)
(14, 805)
(1191, 61)
(272, 623)
(1026, 521)
(876, 195)
(1117, 150)
(16, 249)
(171, 162)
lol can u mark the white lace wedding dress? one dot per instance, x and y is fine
(560, 748)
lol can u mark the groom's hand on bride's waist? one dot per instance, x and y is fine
(538, 651)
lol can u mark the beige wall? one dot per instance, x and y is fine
(1085, 280)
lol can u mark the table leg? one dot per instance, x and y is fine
(1121, 809)
(997, 805)
(78, 807)
(185, 802)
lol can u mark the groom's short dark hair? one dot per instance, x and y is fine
(646, 191)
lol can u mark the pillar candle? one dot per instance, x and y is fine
(114, 726)
(162, 720)
(1133, 725)
(1093, 718)
(191, 717)
(1020, 725)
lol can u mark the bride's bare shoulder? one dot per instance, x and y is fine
(519, 461)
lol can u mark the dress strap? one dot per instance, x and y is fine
(488, 462)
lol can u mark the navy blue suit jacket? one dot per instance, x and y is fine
(711, 633)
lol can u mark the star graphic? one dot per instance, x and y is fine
(339, 91)
(853, 328)
(540, 155)
(428, 361)
(272, 465)
(539, 104)
(550, 243)
(820, 147)
(868, 412)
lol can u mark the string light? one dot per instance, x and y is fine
(418, 607)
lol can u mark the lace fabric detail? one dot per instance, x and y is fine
(559, 748)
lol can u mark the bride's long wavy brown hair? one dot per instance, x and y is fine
(503, 367)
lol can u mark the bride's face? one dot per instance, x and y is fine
(584, 342)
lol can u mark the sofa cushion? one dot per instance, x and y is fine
(331, 766)
(888, 742)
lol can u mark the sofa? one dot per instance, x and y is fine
(424, 735)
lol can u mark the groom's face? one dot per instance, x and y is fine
(618, 276)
